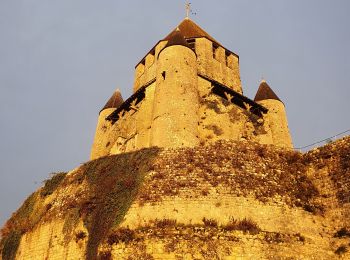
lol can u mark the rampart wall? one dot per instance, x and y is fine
(225, 200)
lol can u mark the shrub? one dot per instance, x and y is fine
(163, 223)
(79, 236)
(210, 222)
(231, 225)
(341, 250)
(343, 232)
(51, 184)
(125, 235)
(248, 225)
(245, 225)
(105, 255)
(205, 192)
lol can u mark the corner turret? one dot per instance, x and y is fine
(276, 117)
(175, 118)
(102, 141)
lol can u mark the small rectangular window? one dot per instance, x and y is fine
(227, 55)
(215, 48)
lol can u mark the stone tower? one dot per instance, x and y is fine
(208, 186)
(276, 118)
(187, 91)
(100, 147)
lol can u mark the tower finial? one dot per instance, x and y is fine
(263, 79)
(188, 9)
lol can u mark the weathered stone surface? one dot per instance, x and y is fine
(221, 201)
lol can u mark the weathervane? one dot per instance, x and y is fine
(188, 10)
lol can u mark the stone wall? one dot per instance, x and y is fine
(276, 121)
(218, 64)
(220, 201)
(175, 108)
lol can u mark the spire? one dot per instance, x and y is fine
(265, 92)
(190, 29)
(114, 101)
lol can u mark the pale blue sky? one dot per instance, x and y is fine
(61, 60)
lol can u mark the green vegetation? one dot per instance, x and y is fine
(80, 236)
(245, 225)
(124, 235)
(10, 245)
(341, 250)
(52, 184)
(210, 222)
(343, 232)
(114, 182)
(111, 184)
(27, 216)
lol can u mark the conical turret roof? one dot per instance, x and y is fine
(177, 38)
(190, 29)
(265, 92)
(114, 101)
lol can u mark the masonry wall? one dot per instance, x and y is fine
(104, 137)
(175, 108)
(276, 119)
(223, 120)
(147, 68)
(218, 64)
(298, 202)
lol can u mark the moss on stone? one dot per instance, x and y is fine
(10, 245)
(114, 182)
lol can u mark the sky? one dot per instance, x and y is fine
(61, 60)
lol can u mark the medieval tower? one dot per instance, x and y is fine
(188, 167)
(187, 91)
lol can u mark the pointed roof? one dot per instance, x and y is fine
(265, 92)
(114, 101)
(177, 38)
(190, 29)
